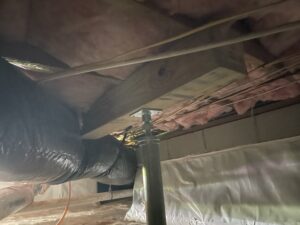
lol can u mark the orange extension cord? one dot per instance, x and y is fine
(61, 220)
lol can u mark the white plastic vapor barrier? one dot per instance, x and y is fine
(255, 184)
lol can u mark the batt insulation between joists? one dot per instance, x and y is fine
(253, 184)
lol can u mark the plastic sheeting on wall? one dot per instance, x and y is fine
(253, 184)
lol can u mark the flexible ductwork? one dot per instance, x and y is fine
(40, 139)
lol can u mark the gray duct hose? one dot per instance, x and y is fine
(40, 139)
(13, 199)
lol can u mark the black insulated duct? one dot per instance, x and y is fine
(40, 139)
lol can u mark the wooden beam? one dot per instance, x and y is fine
(163, 83)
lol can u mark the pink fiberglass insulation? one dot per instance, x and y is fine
(261, 85)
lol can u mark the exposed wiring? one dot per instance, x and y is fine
(282, 59)
(234, 89)
(102, 64)
(127, 129)
(291, 62)
(61, 220)
(230, 95)
(263, 93)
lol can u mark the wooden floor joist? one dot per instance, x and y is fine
(163, 83)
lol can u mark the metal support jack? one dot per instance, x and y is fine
(152, 178)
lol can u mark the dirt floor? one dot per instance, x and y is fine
(79, 214)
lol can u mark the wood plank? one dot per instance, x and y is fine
(154, 83)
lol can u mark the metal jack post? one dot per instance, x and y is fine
(149, 147)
